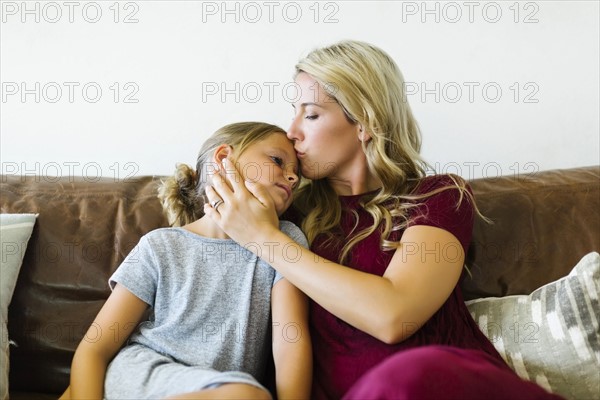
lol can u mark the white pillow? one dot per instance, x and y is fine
(552, 336)
(15, 231)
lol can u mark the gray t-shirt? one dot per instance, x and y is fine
(210, 298)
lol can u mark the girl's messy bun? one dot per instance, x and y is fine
(179, 196)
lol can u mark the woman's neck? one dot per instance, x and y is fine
(355, 182)
(354, 177)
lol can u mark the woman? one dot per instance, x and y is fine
(388, 244)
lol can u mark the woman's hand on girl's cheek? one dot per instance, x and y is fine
(244, 190)
(266, 203)
(246, 207)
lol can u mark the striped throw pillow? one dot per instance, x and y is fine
(552, 336)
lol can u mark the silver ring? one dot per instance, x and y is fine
(215, 204)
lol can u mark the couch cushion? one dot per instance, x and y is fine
(84, 229)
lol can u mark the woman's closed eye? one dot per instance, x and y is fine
(313, 116)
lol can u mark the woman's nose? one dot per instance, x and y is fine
(293, 132)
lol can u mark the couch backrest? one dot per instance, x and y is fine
(543, 224)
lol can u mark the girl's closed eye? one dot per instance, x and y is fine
(277, 160)
(312, 116)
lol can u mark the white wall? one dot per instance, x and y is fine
(172, 56)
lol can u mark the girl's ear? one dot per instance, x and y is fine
(222, 152)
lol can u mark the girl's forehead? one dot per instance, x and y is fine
(274, 141)
(277, 138)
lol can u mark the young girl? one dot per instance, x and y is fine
(207, 333)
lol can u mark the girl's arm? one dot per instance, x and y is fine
(419, 279)
(292, 351)
(119, 316)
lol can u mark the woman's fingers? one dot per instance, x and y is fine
(215, 199)
(260, 193)
(224, 189)
(233, 176)
(266, 206)
(231, 194)
(221, 187)
(229, 184)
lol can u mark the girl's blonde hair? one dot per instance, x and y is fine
(181, 195)
(370, 88)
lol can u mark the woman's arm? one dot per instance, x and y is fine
(416, 283)
(292, 351)
(419, 279)
(119, 316)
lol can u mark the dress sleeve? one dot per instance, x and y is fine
(445, 209)
(138, 272)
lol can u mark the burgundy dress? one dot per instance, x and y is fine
(448, 357)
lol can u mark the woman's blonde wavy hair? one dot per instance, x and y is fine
(370, 88)
(182, 195)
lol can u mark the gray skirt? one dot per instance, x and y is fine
(138, 372)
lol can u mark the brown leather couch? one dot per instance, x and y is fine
(543, 224)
